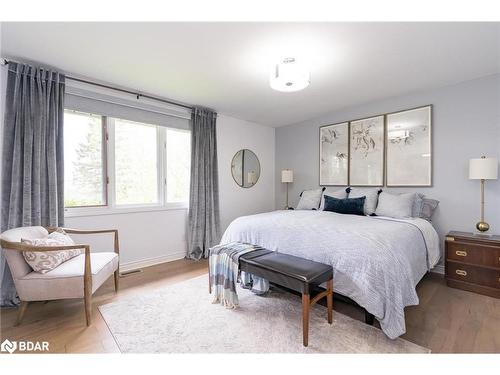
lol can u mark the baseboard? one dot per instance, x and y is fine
(129, 266)
(438, 269)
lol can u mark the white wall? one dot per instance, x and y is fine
(146, 238)
(233, 135)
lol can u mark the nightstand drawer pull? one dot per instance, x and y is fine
(461, 272)
(461, 253)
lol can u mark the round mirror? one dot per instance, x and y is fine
(245, 168)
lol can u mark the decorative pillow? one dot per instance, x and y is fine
(371, 195)
(351, 206)
(332, 192)
(310, 199)
(428, 208)
(45, 261)
(395, 205)
(417, 205)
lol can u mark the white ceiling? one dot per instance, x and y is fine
(226, 65)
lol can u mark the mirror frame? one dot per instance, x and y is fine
(232, 163)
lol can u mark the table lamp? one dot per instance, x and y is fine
(286, 178)
(483, 169)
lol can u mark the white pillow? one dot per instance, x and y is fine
(398, 206)
(371, 195)
(332, 192)
(310, 199)
(45, 261)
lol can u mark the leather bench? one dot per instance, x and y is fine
(298, 274)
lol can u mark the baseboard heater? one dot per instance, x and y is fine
(130, 272)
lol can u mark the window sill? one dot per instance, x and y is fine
(99, 211)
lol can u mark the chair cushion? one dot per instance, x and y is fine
(66, 280)
(45, 261)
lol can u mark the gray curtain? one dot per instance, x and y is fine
(32, 156)
(203, 217)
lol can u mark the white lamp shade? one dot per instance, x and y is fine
(286, 175)
(483, 169)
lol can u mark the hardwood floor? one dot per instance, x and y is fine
(446, 320)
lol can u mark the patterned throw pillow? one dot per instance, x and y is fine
(428, 208)
(424, 207)
(417, 205)
(45, 261)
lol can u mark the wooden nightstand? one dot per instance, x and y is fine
(473, 262)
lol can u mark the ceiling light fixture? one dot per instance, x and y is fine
(289, 76)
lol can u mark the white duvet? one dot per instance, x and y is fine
(377, 261)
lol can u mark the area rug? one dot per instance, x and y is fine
(180, 318)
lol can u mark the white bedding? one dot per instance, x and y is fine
(377, 261)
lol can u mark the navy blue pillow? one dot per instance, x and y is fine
(351, 206)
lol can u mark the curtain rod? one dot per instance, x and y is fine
(136, 94)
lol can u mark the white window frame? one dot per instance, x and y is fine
(111, 208)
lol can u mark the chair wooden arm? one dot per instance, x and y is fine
(19, 246)
(82, 231)
(92, 231)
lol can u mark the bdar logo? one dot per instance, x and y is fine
(24, 346)
(8, 346)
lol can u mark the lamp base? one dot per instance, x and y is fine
(482, 226)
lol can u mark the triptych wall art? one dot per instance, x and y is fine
(394, 149)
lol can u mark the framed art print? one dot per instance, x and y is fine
(333, 154)
(409, 148)
(366, 152)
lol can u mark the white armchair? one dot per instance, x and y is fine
(78, 277)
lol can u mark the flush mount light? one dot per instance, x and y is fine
(289, 76)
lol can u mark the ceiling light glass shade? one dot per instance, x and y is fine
(289, 76)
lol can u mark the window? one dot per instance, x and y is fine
(115, 163)
(178, 165)
(84, 172)
(136, 163)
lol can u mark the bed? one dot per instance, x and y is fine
(377, 261)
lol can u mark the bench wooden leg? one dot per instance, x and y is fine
(306, 305)
(329, 300)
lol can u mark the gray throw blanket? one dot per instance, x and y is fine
(224, 270)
